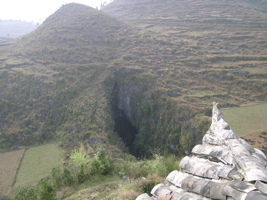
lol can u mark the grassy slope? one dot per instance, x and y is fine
(59, 70)
(246, 120)
(37, 164)
(110, 187)
(208, 50)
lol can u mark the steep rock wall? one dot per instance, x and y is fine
(152, 121)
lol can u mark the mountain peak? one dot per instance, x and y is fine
(71, 12)
(72, 33)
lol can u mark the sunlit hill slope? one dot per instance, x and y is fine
(142, 73)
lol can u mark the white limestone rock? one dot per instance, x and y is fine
(144, 196)
(219, 130)
(222, 167)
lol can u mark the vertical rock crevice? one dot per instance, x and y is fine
(120, 113)
(124, 128)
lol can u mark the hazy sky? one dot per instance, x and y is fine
(37, 10)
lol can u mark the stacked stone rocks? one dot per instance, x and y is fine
(222, 167)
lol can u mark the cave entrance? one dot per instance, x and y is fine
(124, 128)
(122, 124)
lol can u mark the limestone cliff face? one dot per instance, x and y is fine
(222, 167)
(124, 97)
(127, 94)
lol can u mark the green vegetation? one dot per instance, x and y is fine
(113, 187)
(141, 81)
(101, 175)
(198, 54)
(37, 164)
(247, 119)
(63, 82)
(25, 194)
(78, 157)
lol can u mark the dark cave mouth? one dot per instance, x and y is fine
(124, 128)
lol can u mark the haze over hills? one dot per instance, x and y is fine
(84, 74)
(10, 29)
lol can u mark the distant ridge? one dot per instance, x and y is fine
(15, 28)
(211, 11)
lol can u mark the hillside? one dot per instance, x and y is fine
(83, 75)
(46, 74)
(137, 77)
(188, 12)
(211, 48)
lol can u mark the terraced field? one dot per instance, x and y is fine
(37, 164)
(9, 165)
(209, 50)
(249, 122)
(246, 120)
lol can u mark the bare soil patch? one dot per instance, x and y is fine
(258, 140)
(9, 164)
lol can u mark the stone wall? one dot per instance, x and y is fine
(222, 167)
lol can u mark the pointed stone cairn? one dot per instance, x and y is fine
(222, 167)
